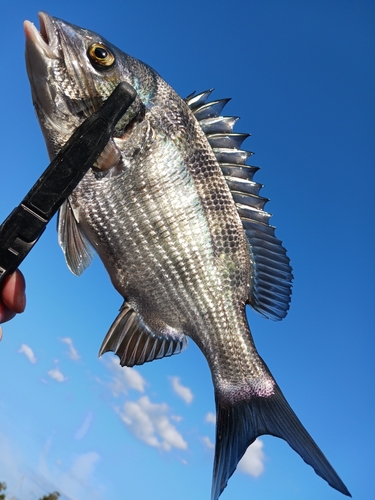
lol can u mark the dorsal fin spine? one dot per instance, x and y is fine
(272, 273)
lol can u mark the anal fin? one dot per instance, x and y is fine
(135, 343)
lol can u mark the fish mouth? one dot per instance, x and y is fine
(42, 53)
(45, 41)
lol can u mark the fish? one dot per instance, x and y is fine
(173, 211)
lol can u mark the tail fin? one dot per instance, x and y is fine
(240, 424)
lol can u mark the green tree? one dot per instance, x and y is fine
(3, 487)
(51, 496)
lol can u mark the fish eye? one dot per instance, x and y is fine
(100, 56)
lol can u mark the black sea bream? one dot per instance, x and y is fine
(174, 214)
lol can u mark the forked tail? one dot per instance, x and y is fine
(239, 424)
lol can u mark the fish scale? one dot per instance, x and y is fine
(174, 213)
(161, 291)
(128, 237)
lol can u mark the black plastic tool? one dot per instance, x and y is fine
(26, 223)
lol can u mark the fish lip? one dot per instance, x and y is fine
(43, 51)
(44, 40)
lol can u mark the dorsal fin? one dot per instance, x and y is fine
(135, 343)
(272, 274)
(197, 100)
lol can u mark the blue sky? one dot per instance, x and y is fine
(301, 77)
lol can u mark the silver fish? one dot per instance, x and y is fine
(174, 214)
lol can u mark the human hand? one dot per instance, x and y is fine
(12, 297)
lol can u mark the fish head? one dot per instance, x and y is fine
(72, 71)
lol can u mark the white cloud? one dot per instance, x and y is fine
(73, 354)
(74, 481)
(176, 418)
(43, 466)
(150, 423)
(124, 378)
(22, 481)
(84, 427)
(182, 391)
(28, 352)
(11, 460)
(30, 475)
(56, 374)
(207, 441)
(210, 418)
(252, 462)
(80, 480)
(84, 465)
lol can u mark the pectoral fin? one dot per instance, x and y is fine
(135, 343)
(73, 242)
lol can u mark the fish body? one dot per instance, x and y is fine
(173, 212)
